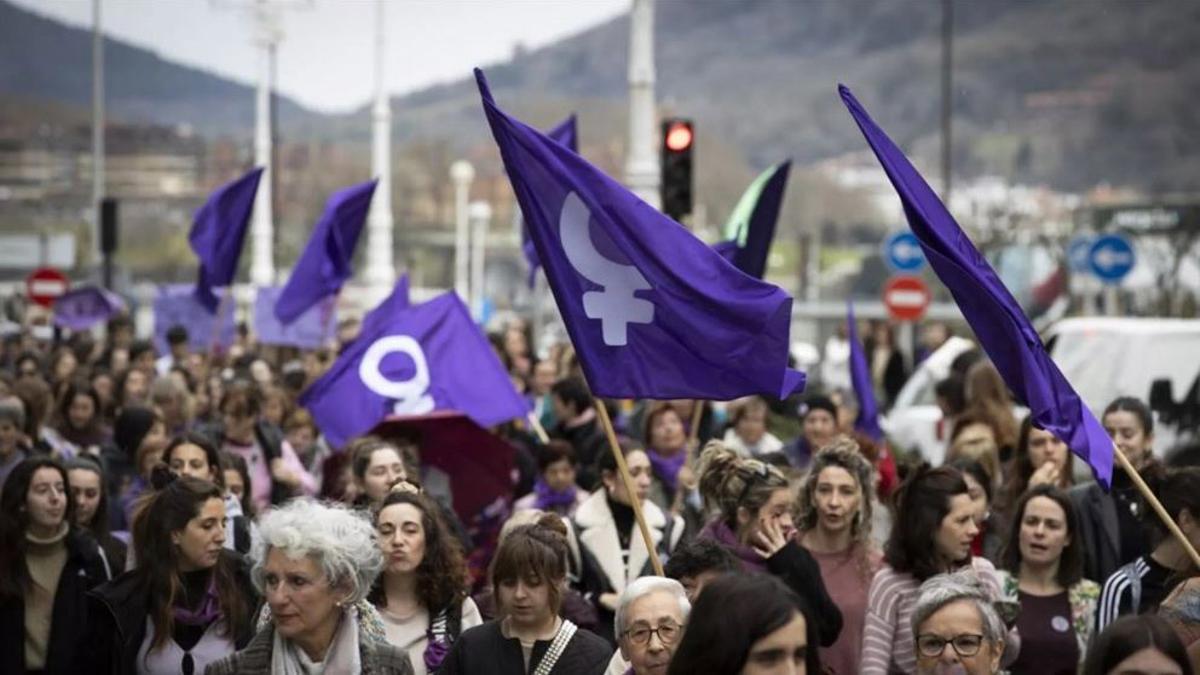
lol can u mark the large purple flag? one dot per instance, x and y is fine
(751, 228)
(653, 312)
(860, 377)
(428, 357)
(326, 261)
(81, 308)
(566, 134)
(1002, 328)
(217, 235)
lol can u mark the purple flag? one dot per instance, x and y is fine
(751, 227)
(566, 134)
(860, 377)
(425, 358)
(325, 263)
(653, 312)
(309, 331)
(176, 304)
(218, 232)
(81, 308)
(1002, 328)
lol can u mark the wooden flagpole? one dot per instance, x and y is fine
(1157, 506)
(537, 427)
(623, 471)
(216, 334)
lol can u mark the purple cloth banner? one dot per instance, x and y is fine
(429, 357)
(566, 134)
(860, 377)
(652, 311)
(84, 307)
(309, 331)
(326, 261)
(994, 315)
(217, 235)
(177, 305)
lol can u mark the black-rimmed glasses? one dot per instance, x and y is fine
(666, 633)
(932, 646)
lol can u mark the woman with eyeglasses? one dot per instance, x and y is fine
(956, 627)
(1043, 573)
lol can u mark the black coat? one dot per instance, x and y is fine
(483, 650)
(84, 570)
(117, 621)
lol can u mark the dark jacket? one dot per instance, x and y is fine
(85, 569)
(117, 621)
(378, 658)
(1099, 529)
(270, 439)
(483, 650)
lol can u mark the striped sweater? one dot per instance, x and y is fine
(887, 635)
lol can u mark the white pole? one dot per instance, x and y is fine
(641, 162)
(262, 262)
(380, 272)
(462, 173)
(481, 218)
(97, 127)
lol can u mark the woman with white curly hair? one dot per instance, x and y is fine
(315, 564)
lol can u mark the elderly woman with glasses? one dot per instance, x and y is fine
(956, 628)
(651, 615)
(315, 564)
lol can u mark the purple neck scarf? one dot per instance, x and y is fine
(207, 611)
(551, 500)
(720, 532)
(667, 468)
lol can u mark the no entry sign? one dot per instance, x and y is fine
(45, 285)
(906, 297)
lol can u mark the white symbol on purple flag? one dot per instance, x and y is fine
(411, 395)
(616, 306)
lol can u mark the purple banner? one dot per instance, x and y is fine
(309, 329)
(177, 305)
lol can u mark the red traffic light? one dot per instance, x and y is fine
(679, 136)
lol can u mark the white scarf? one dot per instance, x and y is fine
(342, 657)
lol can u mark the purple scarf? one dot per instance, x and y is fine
(667, 468)
(549, 499)
(719, 531)
(208, 610)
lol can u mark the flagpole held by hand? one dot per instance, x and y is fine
(537, 427)
(1157, 506)
(627, 481)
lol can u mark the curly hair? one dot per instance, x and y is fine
(842, 452)
(442, 578)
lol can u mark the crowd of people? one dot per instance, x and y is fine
(180, 512)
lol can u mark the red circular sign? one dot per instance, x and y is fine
(906, 298)
(45, 285)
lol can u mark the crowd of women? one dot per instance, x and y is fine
(179, 513)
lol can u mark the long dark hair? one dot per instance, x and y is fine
(1022, 466)
(14, 521)
(90, 434)
(99, 525)
(922, 502)
(1131, 634)
(442, 578)
(1070, 564)
(210, 454)
(731, 614)
(168, 509)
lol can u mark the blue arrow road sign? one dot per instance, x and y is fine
(1111, 258)
(903, 253)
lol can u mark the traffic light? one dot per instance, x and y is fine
(678, 140)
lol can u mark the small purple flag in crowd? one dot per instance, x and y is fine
(1002, 328)
(425, 358)
(860, 376)
(177, 305)
(566, 134)
(326, 261)
(218, 232)
(84, 307)
(652, 311)
(751, 226)
(310, 330)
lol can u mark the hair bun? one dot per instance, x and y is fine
(552, 522)
(161, 476)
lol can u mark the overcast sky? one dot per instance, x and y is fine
(325, 60)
